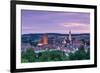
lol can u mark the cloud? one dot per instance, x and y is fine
(72, 24)
(76, 27)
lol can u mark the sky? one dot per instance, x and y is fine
(35, 21)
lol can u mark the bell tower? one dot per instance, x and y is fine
(70, 37)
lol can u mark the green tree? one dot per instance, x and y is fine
(28, 56)
(53, 56)
(79, 55)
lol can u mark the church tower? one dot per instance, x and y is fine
(70, 40)
(70, 37)
(45, 39)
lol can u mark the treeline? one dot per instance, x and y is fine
(56, 55)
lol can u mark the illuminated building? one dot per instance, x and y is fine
(43, 41)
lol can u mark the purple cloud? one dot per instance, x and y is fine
(34, 21)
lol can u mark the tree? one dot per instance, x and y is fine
(53, 56)
(79, 55)
(28, 56)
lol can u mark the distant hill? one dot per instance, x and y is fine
(59, 34)
(27, 37)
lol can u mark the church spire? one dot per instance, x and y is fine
(70, 38)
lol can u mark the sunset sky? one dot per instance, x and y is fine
(34, 21)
